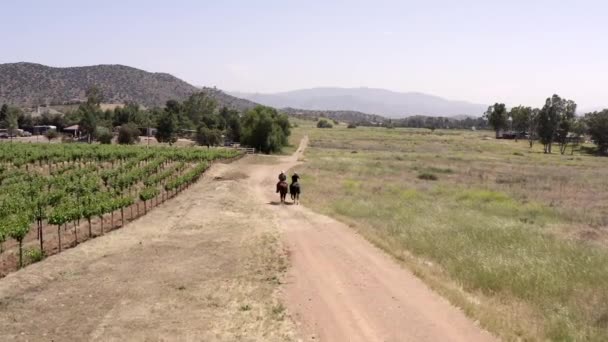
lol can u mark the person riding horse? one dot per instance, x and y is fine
(282, 186)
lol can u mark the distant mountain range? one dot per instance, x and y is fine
(367, 100)
(29, 85)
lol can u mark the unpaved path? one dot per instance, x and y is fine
(341, 288)
(206, 266)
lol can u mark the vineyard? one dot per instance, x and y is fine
(58, 195)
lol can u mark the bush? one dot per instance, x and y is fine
(34, 255)
(128, 134)
(351, 125)
(428, 176)
(51, 134)
(336, 122)
(324, 124)
(104, 135)
(597, 124)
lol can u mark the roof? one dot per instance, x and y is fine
(72, 128)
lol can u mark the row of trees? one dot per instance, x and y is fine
(555, 122)
(198, 117)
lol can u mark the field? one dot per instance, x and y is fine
(54, 196)
(516, 238)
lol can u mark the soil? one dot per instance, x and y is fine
(207, 265)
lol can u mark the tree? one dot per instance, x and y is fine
(264, 128)
(199, 108)
(521, 118)
(324, 124)
(533, 126)
(555, 120)
(88, 121)
(128, 134)
(94, 96)
(18, 226)
(567, 120)
(232, 121)
(208, 137)
(497, 117)
(129, 113)
(166, 128)
(597, 126)
(3, 114)
(12, 120)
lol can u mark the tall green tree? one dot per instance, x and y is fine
(94, 96)
(90, 113)
(497, 117)
(11, 120)
(265, 129)
(88, 120)
(199, 108)
(555, 121)
(521, 117)
(567, 119)
(232, 119)
(597, 127)
(166, 128)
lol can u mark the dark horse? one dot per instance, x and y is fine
(294, 191)
(282, 189)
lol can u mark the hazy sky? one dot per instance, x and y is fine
(481, 51)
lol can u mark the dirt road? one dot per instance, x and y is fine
(341, 288)
(207, 266)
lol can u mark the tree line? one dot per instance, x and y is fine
(199, 117)
(555, 123)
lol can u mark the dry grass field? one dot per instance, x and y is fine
(516, 238)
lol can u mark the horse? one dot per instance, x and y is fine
(294, 191)
(282, 189)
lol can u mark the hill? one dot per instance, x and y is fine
(367, 100)
(339, 115)
(29, 85)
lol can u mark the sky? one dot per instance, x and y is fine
(484, 51)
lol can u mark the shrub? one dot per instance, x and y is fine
(351, 125)
(597, 124)
(324, 124)
(428, 176)
(34, 255)
(51, 134)
(128, 134)
(104, 135)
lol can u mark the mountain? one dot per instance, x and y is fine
(367, 100)
(29, 85)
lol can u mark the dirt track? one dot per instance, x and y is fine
(201, 267)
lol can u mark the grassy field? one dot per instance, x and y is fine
(516, 238)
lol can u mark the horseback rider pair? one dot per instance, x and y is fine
(294, 187)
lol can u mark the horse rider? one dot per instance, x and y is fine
(282, 178)
(295, 178)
